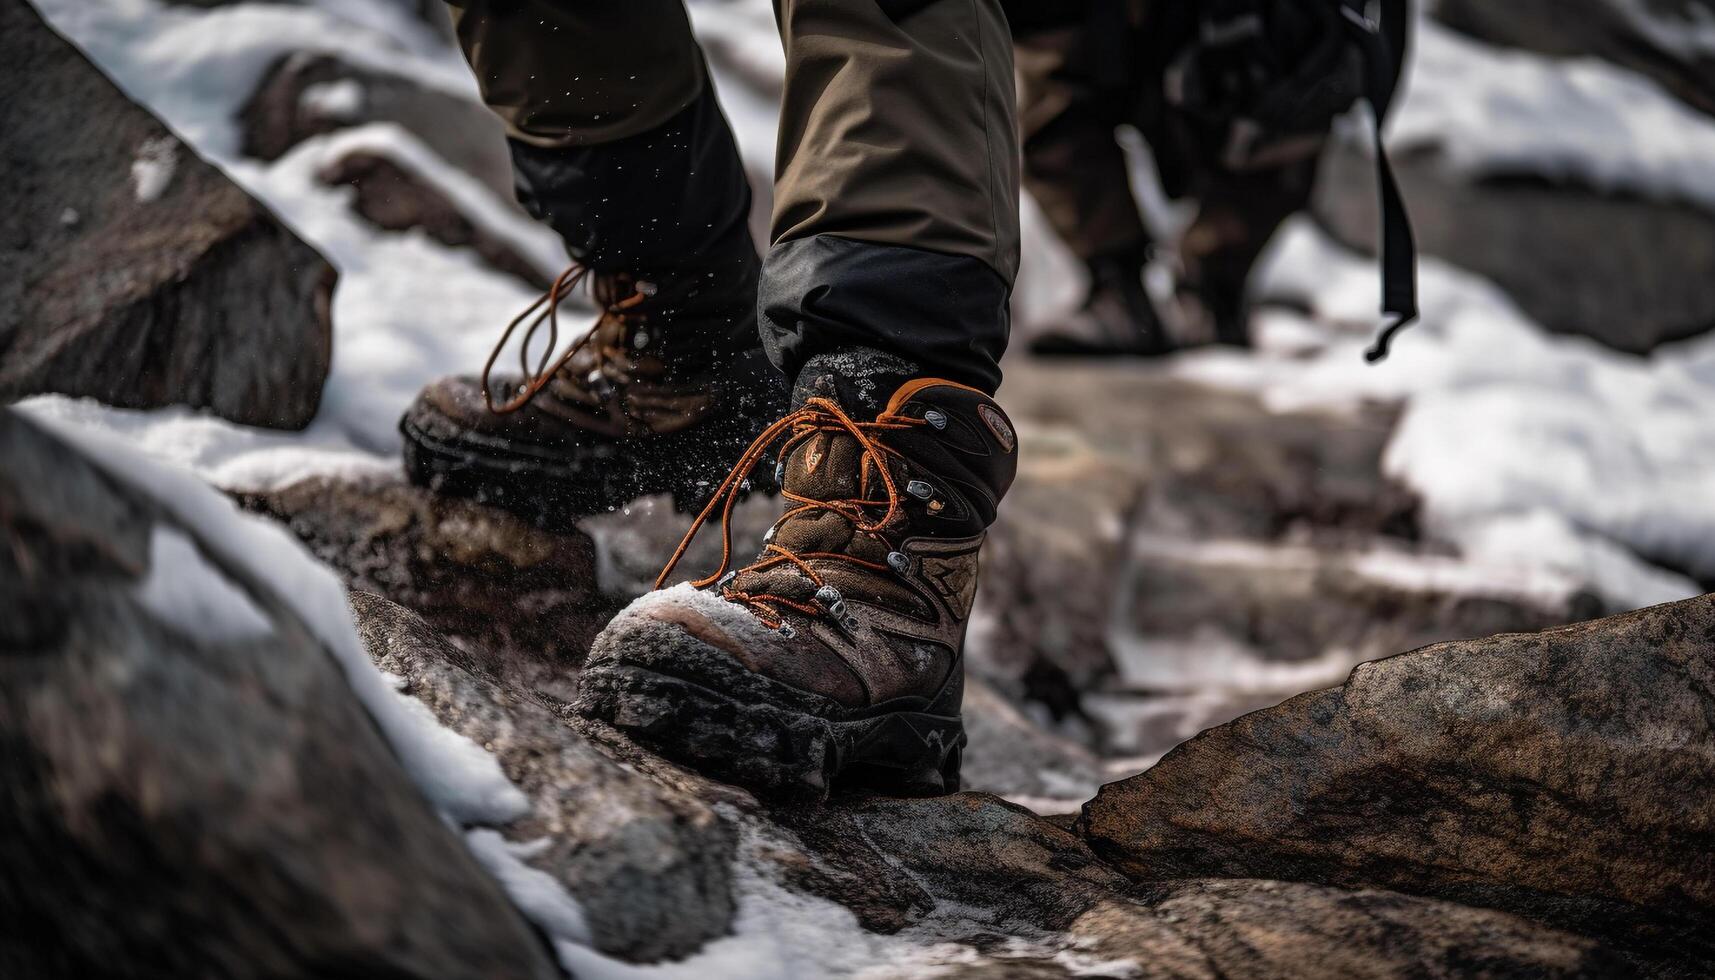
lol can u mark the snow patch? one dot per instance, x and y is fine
(1499, 111)
(539, 895)
(152, 170)
(337, 100)
(185, 592)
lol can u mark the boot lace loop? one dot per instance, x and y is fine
(546, 310)
(818, 415)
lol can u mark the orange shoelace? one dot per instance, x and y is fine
(818, 415)
(546, 309)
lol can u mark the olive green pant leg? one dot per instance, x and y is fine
(1074, 168)
(896, 185)
(580, 72)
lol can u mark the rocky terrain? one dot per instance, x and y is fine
(1526, 805)
(316, 717)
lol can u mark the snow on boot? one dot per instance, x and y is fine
(838, 652)
(650, 399)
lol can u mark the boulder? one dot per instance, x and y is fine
(307, 94)
(1576, 260)
(190, 786)
(133, 271)
(1568, 775)
(651, 867)
(974, 859)
(393, 197)
(508, 590)
(1657, 38)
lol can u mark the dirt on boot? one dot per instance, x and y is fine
(838, 652)
(669, 384)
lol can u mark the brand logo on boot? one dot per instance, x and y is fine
(998, 425)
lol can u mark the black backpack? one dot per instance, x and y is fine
(1271, 73)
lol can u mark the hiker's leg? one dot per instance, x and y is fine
(1079, 84)
(896, 196)
(617, 140)
(619, 145)
(839, 650)
(1075, 91)
(1238, 214)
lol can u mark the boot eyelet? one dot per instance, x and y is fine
(936, 418)
(786, 631)
(725, 581)
(899, 562)
(780, 473)
(919, 489)
(850, 623)
(936, 506)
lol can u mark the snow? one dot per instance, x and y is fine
(539, 895)
(185, 592)
(342, 99)
(1607, 455)
(1499, 112)
(461, 780)
(152, 170)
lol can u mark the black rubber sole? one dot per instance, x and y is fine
(556, 490)
(770, 747)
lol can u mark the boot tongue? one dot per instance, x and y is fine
(858, 379)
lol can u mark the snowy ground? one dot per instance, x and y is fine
(1544, 459)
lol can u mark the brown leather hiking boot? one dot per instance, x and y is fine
(670, 382)
(839, 650)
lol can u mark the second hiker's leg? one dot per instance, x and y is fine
(1079, 84)
(838, 651)
(619, 145)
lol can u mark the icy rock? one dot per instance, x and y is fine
(190, 786)
(649, 866)
(173, 286)
(523, 597)
(1567, 775)
(393, 198)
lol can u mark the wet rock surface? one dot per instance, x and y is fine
(497, 584)
(650, 867)
(1568, 775)
(986, 888)
(183, 797)
(133, 271)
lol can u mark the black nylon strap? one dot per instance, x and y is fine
(1382, 58)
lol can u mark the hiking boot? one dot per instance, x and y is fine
(1117, 319)
(838, 652)
(670, 383)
